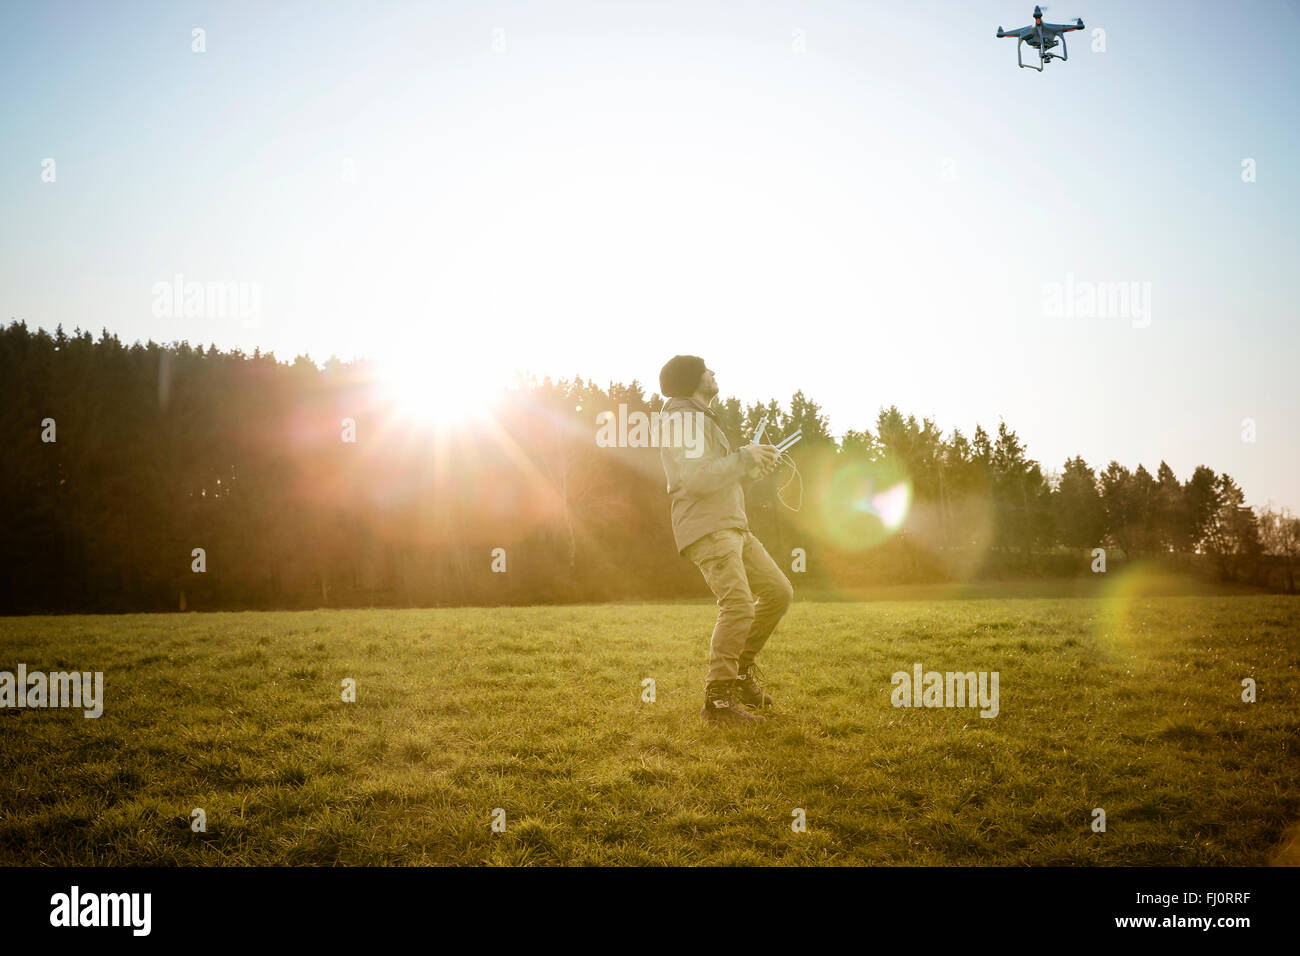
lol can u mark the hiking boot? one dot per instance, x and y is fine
(750, 691)
(722, 704)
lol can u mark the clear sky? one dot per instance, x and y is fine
(874, 209)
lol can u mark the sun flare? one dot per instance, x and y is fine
(437, 394)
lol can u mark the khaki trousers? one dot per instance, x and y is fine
(753, 594)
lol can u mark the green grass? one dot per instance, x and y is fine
(1133, 707)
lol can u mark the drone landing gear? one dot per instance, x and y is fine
(1043, 57)
(1023, 64)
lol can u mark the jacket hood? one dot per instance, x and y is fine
(682, 404)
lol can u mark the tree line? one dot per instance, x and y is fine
(152, 477)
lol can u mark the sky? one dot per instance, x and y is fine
(867, 201)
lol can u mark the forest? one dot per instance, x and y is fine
(166, 477)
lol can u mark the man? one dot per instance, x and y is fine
(710, 528)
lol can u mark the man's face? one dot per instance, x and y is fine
(708, 385)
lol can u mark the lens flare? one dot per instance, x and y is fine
(862, 504)
(1127, 616)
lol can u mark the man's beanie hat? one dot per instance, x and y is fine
(681, 376)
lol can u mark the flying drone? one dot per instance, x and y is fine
(1042, 37)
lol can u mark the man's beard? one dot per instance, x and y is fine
(711, 392)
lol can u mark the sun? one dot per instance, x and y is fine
(439, 393)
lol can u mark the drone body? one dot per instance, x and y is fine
(1043, 37)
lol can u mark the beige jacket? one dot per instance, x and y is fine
(703, 477)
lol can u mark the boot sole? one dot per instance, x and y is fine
(714, 717)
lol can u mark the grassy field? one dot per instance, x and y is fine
(1131, 703)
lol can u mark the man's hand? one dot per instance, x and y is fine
(760, 460)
